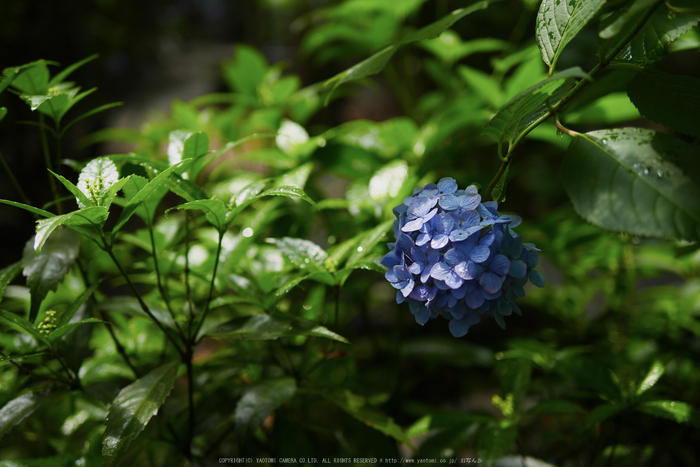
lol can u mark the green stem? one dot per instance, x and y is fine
(49, 164)
(14, 181)
(190, 400)
(193, 336)
(161, 289)
(142, 304)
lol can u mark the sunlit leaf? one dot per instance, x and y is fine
(260, 400)
(559, 21)
(96, 179)
(59, 332)
(635, 181)
(679, 412)
(133, 408)
(303, 253)
(24, 324)
(656, 371)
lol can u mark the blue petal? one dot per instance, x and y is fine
(406, 291)
(413, 225)
(453, 280)
(415, 268)
(518, 269)
(475, 299)
(480, 254)
(462, 271)
(536, 278)
(444, 223)
(455, 256)
(458, 235)
(447, 185)
(500, 265)
(423, 315)
(440, 270)
(390, 276)
(449, 202)
(439, 241)
(490, 282)
(532, 259)
(401, 272)
(459, 327)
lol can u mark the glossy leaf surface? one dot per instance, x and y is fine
(260, 400)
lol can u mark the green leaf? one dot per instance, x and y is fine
(357, 407)
(246, 71)
(7, 275)
(32, 78)
(3, 112)
(497, 438)
(133, 408)
(485, 87)
(270, 327)
(32, 209)
(674, 102)
(260, 400)
(216, 212)
(144, 193)
(556, 406)
(96, 179)
(378, 61)
(59, 332)
(530, 105)
(600, 414)
(516, 380)
(656, 371)
(13, 358)
(17, 410)
(89, 113)
(58, 79)
(303, 253)
(635, 181)
(80, 197)
(47, 268)
(679, 412)
(651, 43)
(559, 21)
(67, 315)
(85, 221)
(147, 209)
(288, 192)
(622, 19)
(25, 325)
(499, 190)
(367, 241)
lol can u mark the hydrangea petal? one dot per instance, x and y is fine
(518, 269)
(447, 185)
(500, 265)
(536, 278)
(490, 282)
(480, 254)
(459, 327)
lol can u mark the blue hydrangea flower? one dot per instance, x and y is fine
(457, 257)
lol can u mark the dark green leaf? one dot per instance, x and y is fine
(260, 400)
(530, 105)
(556, 406)
(680, 412)
(80, 196)
(674, 102)
(7, 275)
(516, 380)
(22, 356)
(497, 438)
(84, 221)
(89, 113)
(147, 209)
(267, 327)
(216, 212)
(635, 181)
(626, 16)
(600, 414)
(357, 407)
(17, 410)
(67, 315)
(559, 21)
(3, 112)
(32, 78)
(378, 61)
(651, 43)
(133, 408)
(46, 269)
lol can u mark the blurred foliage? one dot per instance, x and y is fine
(222, 296)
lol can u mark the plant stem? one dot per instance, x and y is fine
(14, 181)
(143, 305)
(190, 399)
(193, 336)
(49, 164)
(161, 289)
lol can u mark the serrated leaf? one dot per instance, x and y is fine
(651, 43)
(378, 61)
(679, 412)
(47, 268)
(674, 102)
(270, 327)
(96, 179)
(559, 21)
(17, 410)
(132, 409)
(59, 332)
(358, 408)
(635, 181)
(260, 400)
(145, 192)
(530, 105)
(80, 196)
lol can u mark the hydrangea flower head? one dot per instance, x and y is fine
(457, 257)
